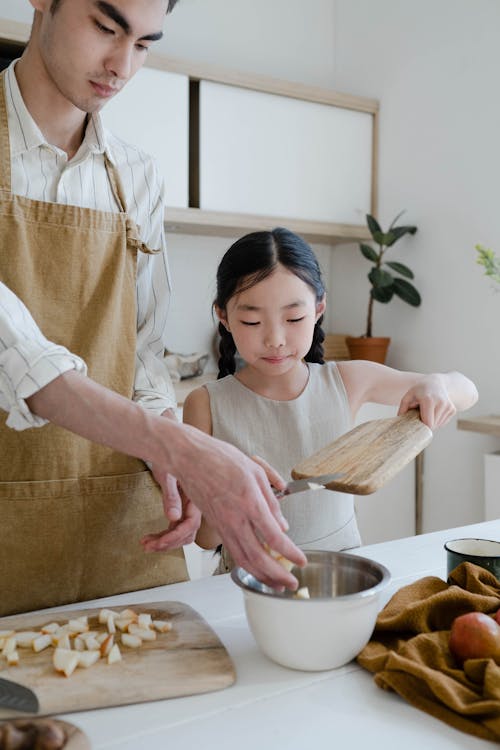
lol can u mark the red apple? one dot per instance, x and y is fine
(475, 636)
(497, 616)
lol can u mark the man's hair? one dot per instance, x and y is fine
(55, 3)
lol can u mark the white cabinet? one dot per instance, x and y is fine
(262, 153)
(388, 513)
(152, 112)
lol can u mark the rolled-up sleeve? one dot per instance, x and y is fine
(28, 361)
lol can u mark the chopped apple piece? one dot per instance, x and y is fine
(51, 627)
(132, 641)
(287, 564)
(79, 644)
(107, 645)
(162, 626)
(114, 654)
(105, 613)
(302, 593)
(13, 659)
(122, 623)
(25, 638)
(88, 658)
(77, 626)
(93, 644)
(144, 621)
(42, 642)
(9, 645)
(64, 641)
(110, 624)
(6, 633)
(143, 633)
(129, 614)
(65, 661)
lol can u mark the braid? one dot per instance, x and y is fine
(227, 350)
(315, 353)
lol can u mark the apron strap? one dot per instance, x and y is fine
(5, 176)
(133, 239)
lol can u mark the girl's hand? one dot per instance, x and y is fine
(430, 395)
(275, 479)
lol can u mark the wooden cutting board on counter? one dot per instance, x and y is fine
(370, 455)
(187, 660)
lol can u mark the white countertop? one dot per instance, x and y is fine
(270, 706)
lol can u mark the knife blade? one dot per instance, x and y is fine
(312, 483)
(16, 696)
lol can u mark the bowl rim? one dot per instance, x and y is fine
(288, 595)
(471, 554)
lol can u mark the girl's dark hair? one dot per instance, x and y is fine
(251, 259)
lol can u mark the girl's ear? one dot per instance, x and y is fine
(222, 315)
(320, 307)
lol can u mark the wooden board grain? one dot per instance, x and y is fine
(370, 455)
(189, 659)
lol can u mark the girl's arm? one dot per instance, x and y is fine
(196, 412)
(438, 395)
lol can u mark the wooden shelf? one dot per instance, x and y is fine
(489, 425)
(221, 224)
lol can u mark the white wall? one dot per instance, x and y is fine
(434, 67)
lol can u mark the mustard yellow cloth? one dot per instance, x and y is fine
(409, 654)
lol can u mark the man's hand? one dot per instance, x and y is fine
(235, 496)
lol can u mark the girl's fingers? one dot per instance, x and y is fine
(172, 503)
(275, 479)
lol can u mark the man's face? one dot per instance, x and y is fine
(91, 48)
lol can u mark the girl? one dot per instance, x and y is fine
(285, 402)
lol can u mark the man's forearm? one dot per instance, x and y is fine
(86, 408)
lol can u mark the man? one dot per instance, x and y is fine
(87, 397)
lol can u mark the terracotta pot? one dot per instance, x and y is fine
(373, 348)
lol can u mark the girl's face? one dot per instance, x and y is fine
(272, 323)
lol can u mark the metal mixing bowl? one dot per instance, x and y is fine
(328, 629)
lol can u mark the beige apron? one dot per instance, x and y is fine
(72, 512)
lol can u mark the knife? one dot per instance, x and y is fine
(312, 483)
(16, 696)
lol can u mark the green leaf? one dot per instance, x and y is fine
(380, 278)
(400, 268)
(397, 232)
(489, 260)
(369, 252)
(373, 226)
(407, 292)
(382, 294)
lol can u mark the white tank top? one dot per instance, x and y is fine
(284, 433)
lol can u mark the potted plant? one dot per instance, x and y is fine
(387, 278)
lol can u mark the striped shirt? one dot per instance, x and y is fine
(41, 171)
